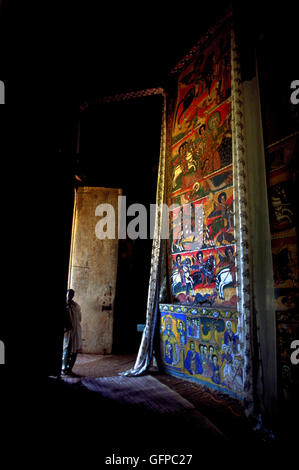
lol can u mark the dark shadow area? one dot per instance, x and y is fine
(101, 427)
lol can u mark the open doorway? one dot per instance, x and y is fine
(120, 146)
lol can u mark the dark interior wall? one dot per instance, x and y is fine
(38, 228)
(268, 38)
(275, 41)
(278, 67)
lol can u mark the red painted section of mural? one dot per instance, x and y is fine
(203, 270)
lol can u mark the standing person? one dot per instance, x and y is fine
(72, 341)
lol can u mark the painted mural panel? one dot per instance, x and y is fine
(205, 277)
(287, 330)
(202, 244)
(202, 86)
(217, 225)
(205, 150)
(200, 331)
(282, 163)
(282, 210)
(203, 345)
(285, 262)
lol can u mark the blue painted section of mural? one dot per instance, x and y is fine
(202, 345)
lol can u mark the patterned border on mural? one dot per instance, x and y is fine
(242, 223)
(208, 312)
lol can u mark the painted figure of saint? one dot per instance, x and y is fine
(231, 339)
(182, 333)
(223, 209)
(178, 266)
(201, 353)
(206, 369)
(212, 159)
(192, 362)
(215, 370)
(210, 354)
(228, 261)
(182, 281)
(198, 269)
(170, 344)
(226, 366)
(237, 374)
(185, 166)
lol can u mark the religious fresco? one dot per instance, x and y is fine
(282, 210)
(282, 174)
(205, 150)
(285, 262)
(200, 331)
(202, 87)
(216, 227)
(286, 299)
(288, 373)
(202, 345)
(281, 164)
(205, 277)
(202, 245)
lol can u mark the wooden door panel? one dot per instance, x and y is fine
(93, 269)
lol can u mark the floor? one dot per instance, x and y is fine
(59, 421)
(223, 412)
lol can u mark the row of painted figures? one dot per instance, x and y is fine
(222, 364)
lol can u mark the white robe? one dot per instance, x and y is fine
(74, 334)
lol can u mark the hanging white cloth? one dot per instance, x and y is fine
(145, 352)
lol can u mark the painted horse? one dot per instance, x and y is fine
(223, 279)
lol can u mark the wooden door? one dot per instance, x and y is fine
(93, 268)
